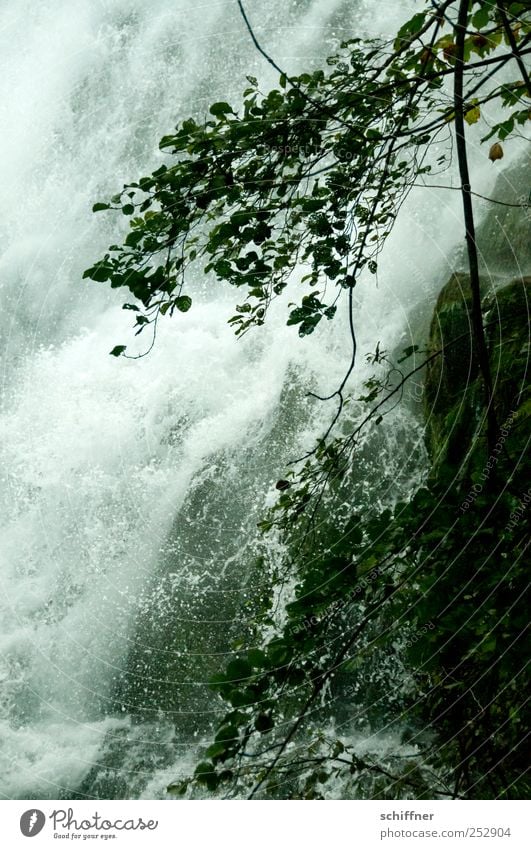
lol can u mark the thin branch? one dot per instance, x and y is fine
(468, 214)
(318, 686)
(322, 108)
(476, 194)
(514, 47)
(445, 72)
(496, 68)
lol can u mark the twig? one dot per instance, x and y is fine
(274, 65)
(476, 194)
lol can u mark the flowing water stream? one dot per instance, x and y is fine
(130, 491)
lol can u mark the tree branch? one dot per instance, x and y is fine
(468, 214)
(514, 47)
(328, 112)
(475, 194)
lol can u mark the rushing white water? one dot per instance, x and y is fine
(129, 490)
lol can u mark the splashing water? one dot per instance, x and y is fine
(130, 490)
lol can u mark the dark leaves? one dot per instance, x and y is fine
(183, 303)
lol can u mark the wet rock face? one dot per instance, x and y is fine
(508, 320)
(453, 396)
(450, 377)
(504, 233)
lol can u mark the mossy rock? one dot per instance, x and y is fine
(503, 233)
(451, 377)
(453, 392)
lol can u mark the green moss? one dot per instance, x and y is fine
(453, 393)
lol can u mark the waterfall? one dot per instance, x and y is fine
(130, 490)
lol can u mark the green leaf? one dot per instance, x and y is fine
(238, 670)
(133, 239)
(219, 682)
(263, 722)
(505, 128)
(473, 115)
(118, 350)
(98, 207)
(183, 303)
(257, 658)
(227, 734)
(221, 108)
(205, 774)
(409, 29)
(407, 352)
(101, 272)
(216, 749)
(178, 788)
(481, 18)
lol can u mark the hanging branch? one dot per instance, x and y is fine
(468, 214)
